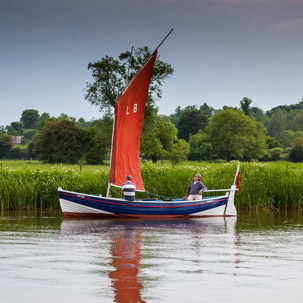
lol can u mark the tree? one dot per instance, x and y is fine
(275, 154)
(151, 147)
(5, 145)
(95, 149)
(233, 134)
(287, 138)
(286, 108)
(296, 153)
(30, 118)
(277, 123)
(60, 141)
(44, 118)
(29, 135)
(200, 148)
(297, 124)
(166, 132)
(30, 150)
(81, 122)
(245, 106)
(15, 129)
(158, 141)
(179, 151)
(272, 142)
(259, 115)
(191, 121)
(110, 77)
(16, 152)
(175, 117)
(207, 109)
(298, 134)
(98, 140)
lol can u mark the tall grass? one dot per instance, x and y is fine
(28, 185)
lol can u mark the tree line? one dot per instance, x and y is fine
(195, 133)
(190, 133)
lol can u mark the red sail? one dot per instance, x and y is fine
(129, 114)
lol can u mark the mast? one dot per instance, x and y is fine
(164, 39)
(111, 152)
(111, 145)
(129, 64)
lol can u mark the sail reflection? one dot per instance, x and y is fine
(126, 258)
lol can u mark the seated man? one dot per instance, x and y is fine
(195, 189)
(129, 189)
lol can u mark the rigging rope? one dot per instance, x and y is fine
(160, 195)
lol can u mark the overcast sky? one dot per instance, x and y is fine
(221, 50)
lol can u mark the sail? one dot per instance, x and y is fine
(129, 114)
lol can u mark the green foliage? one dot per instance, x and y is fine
(287, 137)
(5, 145)
(29, 135)
(179, 151)
(159, 140)
(259, 115)
(167, 133)
(15, 129)
(97, 140)
(60, 141)
(277, 123)
(272, 186)
(151, 148)
(110, 77)
(200, 148)
(17, 152)
(30, 150)
(245, 106)
(32, 185)
(297, 124)
(37, 188)
(233, 133)
(272, 142)
(190, 121)
(30, 118)
(287, 108)
(95, 146)
(275, 154)
(296, 153)
(44, 118)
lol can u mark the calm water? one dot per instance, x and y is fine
(256, 258)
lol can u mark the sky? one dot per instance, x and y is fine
(221, 51)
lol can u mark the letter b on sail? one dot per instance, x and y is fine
(134, 110)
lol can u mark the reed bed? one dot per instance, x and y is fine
(28, 185)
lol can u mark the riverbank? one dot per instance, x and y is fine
(33, 185)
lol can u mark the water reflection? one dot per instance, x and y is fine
(126, 257)
(159, 239)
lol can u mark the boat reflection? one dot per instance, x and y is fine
(126, 242)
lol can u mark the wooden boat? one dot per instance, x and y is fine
(128, 120)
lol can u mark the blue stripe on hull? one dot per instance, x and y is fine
(122, 207)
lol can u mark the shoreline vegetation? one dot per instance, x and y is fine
(264, 185)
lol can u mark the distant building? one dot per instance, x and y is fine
(17, 139)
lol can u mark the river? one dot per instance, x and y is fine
(256, 257)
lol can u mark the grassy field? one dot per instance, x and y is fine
(33, 185)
